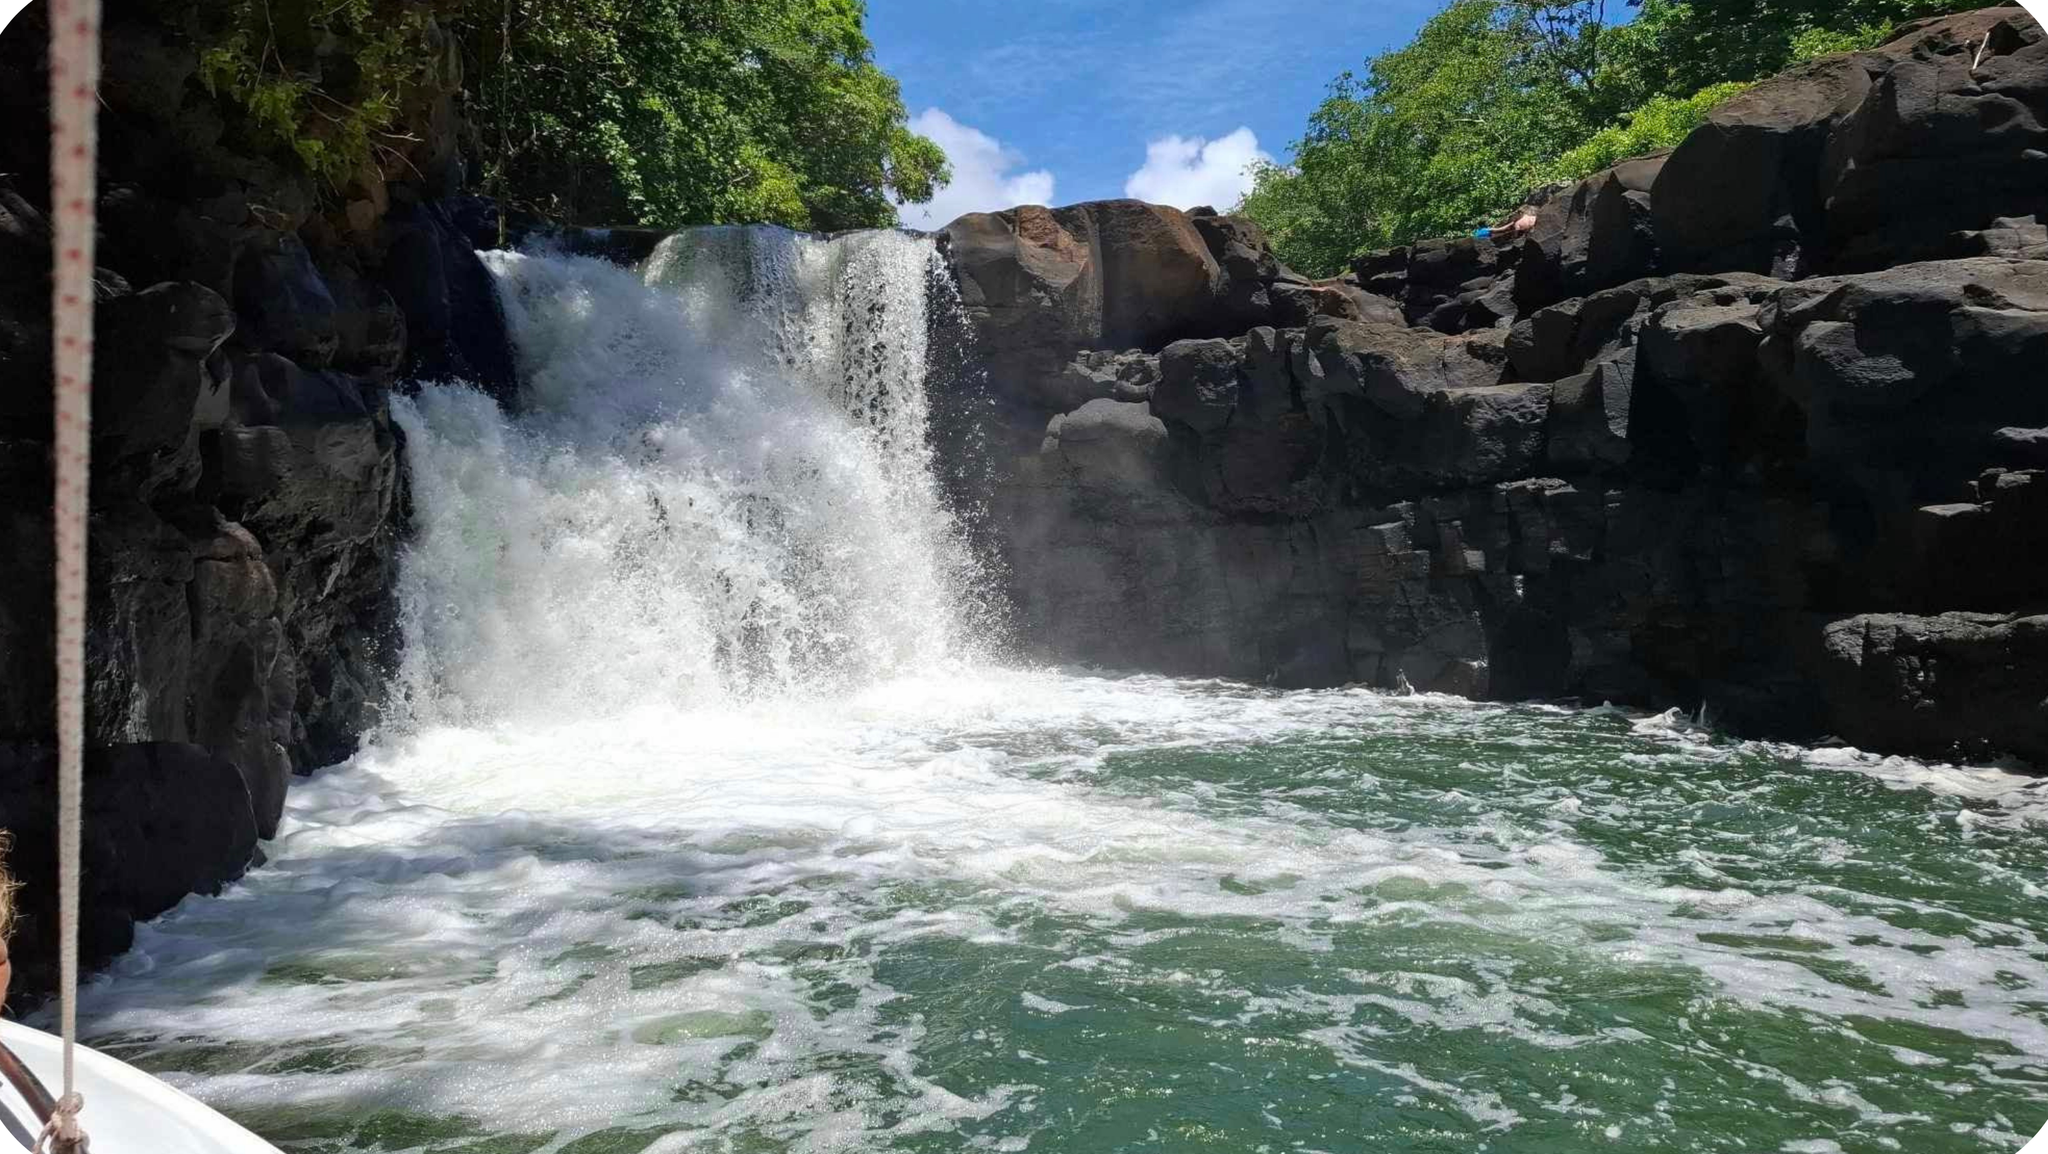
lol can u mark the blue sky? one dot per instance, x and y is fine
(1057, 101)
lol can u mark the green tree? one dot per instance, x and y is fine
(674, 112)
(1495, 97)
(1677, 47)
(1439, 134)
(658, 112)
(1660, 122)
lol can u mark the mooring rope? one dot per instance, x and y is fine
(74, 147)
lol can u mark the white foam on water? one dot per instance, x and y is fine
(551, 928)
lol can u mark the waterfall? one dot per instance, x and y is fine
(718, 487)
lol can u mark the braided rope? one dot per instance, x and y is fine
(51, 1140)
(74, 144)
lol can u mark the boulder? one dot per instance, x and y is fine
(268, 389)
(1292, 305)
(237, 647)
(1108, 444)
(1906, 375)
(1564, 338)
(1453, 438)
(150, 371)
(1742, 191)
(1957, 554)
(1271, 468)
(162, 820)
(1469, 436)
(1595, 235)
(1949, 685)
(1952, 136)
(1106, 274)
(283, 302)
(1158, 280)
(1029, 278)
(1198, 384)
(1240, 247)
(1093, 375)
(1447, 285)
(369, 328)
(454, 323)
(1267, 389)
(1699, 357)
(1395, 369)
(1588, 423)
(2019, 448)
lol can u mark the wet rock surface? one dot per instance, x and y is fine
(1717, 431)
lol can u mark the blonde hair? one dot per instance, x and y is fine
(7, 887)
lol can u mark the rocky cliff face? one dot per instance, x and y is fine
(1761, 424)
(248, 491)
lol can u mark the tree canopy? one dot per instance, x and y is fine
(658, 112)
(677, 112)
(1496, 97)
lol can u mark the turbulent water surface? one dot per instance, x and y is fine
(704, 823)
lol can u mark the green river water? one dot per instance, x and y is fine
(1051, 912)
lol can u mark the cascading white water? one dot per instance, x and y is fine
(718, 488)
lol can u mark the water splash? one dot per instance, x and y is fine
(719, 487)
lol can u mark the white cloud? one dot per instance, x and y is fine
(1185, 171)
(982, 177)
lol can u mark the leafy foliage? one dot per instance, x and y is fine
(326, 81)
(676, 112)
(660, 112)
(1676, 47)
(1659, 123)
(1495, 97)
(1438, 133)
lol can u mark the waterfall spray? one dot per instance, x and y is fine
(720, 486)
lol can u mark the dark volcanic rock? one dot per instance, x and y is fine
(1198, 384)
(1240, 247)
(1396, 369)
(455, 325)
(1112, 274)
(1644, 454)
(1949, 138)
(1562, 339)
(162, 820)
(1742, 192)
(1951, 685)
(1906, 376)
(1108, 445)
(285, 303)
(1588, 423)
(1594, 235)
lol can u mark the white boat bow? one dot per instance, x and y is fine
(126, 1111)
